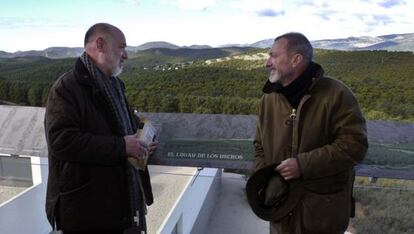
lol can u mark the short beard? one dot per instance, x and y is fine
(279, 78)
(117, 71)
(275, 77)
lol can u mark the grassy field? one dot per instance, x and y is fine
(384, 207)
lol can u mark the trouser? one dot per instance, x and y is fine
(275, 228)
(291, 224)
(280, 228)
(117, 231)
(287, 226)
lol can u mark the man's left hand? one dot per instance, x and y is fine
(289, 169)
(152, 147)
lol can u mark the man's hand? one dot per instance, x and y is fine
(152, 147)
(135, 148)
(289, 169)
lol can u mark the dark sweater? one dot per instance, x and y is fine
(297, 89)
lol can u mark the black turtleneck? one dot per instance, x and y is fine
(298, 88)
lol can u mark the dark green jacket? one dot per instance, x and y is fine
(327, 134)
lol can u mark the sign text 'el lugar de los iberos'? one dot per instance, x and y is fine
(203, 140)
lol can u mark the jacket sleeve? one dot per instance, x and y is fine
(348, 145)
(258, 151)
(68, 142)
(259, 161)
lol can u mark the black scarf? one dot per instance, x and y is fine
(295, 91)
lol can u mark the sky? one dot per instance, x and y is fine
(39, 24)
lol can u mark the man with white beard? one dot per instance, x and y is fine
(310, 134)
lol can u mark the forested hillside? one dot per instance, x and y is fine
(157, 81)
(383, 81)
(26, 80)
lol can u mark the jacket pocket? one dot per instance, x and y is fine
(96, 204)
(76, 192)
(326, 213)
(74, 207)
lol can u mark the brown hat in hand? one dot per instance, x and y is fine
(270, 196)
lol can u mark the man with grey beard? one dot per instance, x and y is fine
(92, 187)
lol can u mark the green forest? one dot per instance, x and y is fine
(157, 81)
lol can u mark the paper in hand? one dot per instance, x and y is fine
(147, 135)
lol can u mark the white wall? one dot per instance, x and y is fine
(184, 215)
(25, 213)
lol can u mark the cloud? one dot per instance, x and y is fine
(133, 2)
(326, 14)
(191, 4)
(391, 3)
(372, 22)
(18, 22)
(383, 19)
(28, 22)
(360, 16)
(307, 3)
(314, 3)
(264, 8)
(270, 13)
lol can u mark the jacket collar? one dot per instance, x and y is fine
(313, 72)
(84, 77)
(82, 74)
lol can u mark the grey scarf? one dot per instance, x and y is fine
(111, 87)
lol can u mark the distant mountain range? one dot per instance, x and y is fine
(392, 42)
(163, 44)
(154, 44)
(162, 56)
(51, 52)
